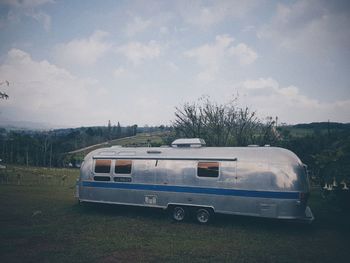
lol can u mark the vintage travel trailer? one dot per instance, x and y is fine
(188, 179)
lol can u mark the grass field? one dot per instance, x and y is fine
(40, 221)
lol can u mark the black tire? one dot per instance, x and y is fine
(203, 216)
(178, 213)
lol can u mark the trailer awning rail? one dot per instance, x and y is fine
(174, 158)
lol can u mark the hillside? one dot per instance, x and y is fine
(139, 140)
(50, 148)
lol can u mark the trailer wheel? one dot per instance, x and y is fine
(178, 213)
(203, 215)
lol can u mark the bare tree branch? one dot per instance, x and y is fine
(222, 124)
(3, 95)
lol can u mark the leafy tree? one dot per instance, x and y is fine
(334, 161)
(325, 150)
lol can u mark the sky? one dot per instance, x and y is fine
(82, 63)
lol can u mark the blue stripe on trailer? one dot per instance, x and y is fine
(195, 190)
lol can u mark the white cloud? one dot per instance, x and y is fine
(204, 14)
(164, 30)
(137, 52)
(245, 54)
(29, 8)
(269, 98)
(83, 51)
(42, 18)
(120, 71)
(137, 25)
(40, 91)
(211, 56)
(248, 28)
(309, 27)
(172, 66)
(27, 3)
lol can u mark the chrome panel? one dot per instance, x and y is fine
(246, 168)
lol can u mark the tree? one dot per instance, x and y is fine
(119, 130)
(90, 132)
(222, 124)
(3, 95)
(109, 129)
(134, 129)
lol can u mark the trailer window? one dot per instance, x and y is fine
(123, 166)
(103, 166)
(208, 169)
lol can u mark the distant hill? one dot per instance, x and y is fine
(322, 125)
(306, 129)
(139, 140)
(49, 147)
(28, 125)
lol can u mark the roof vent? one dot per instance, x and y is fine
(107, 153)
(188, 143)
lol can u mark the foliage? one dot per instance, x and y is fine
(326, 151)
(324, 147)
(223, 124)
(49, 148)
(3, 95)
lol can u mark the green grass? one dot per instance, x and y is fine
(141, 139)
(297, 132)
(40, 221)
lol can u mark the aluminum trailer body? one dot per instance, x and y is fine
(254, 181)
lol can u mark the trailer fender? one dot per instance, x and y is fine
(190, 206)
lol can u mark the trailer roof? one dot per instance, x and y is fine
(241, 154)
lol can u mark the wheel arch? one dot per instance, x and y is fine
(191, 206)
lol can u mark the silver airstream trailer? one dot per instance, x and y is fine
(189, 178)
